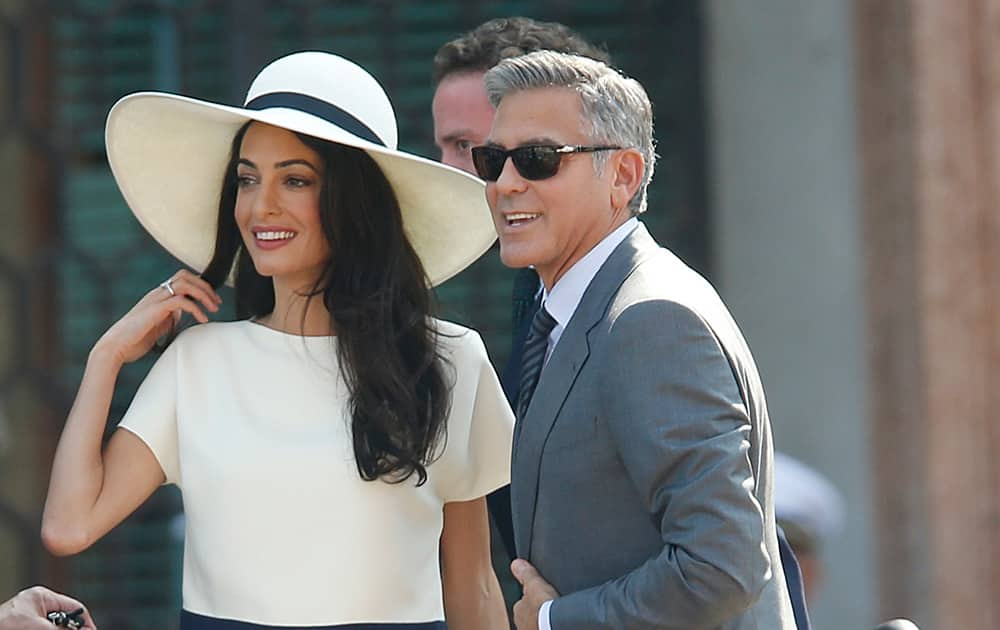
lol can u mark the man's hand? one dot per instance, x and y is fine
(28, 610)
(536, 592)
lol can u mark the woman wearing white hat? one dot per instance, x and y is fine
(327, 440)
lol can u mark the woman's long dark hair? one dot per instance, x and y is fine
(375, 289)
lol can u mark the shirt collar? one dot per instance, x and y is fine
(565, 296)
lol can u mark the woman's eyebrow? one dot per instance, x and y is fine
(294, 161)
(282, 164)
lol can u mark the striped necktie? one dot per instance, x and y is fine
(535, 347)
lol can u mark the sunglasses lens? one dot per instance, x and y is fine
(536, 163)
(532, 163)
(488, 162)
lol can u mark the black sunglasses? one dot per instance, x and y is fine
(533, 162)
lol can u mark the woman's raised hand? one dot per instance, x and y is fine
(132, 336)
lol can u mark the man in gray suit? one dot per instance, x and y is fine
(641, 479)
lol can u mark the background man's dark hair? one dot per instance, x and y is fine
(483, 47)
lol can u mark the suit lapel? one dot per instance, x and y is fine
(531, 431)
(558, 376)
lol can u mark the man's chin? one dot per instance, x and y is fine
(515, 257)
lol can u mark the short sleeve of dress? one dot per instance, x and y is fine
(152, 416)
(476, 456)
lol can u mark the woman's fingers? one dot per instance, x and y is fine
(160, 310)
(181, 302)
(188, 284)
(181, 293)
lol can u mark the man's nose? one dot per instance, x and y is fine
(510, 180)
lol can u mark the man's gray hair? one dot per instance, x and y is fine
(616, 109)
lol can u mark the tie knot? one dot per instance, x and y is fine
(542, 324)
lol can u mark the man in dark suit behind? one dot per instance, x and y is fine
(641, 479)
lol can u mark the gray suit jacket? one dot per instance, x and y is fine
(641, 481)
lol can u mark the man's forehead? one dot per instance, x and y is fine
(460, 109)
(547, 115)
(464, 86)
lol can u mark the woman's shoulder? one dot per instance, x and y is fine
(445, 327)
(200, 333)
(213, 337)
(459, 340)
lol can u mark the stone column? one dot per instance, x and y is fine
(929, 103)
(787, 240)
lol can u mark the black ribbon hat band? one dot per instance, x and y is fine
(319, 108)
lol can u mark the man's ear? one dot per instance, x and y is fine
(628, 168)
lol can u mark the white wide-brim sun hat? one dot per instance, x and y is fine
(168, 154)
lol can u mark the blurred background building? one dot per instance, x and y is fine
(831, 165)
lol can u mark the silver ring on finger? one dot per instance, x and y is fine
(168, 285)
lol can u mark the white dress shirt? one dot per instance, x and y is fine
(561, 303)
